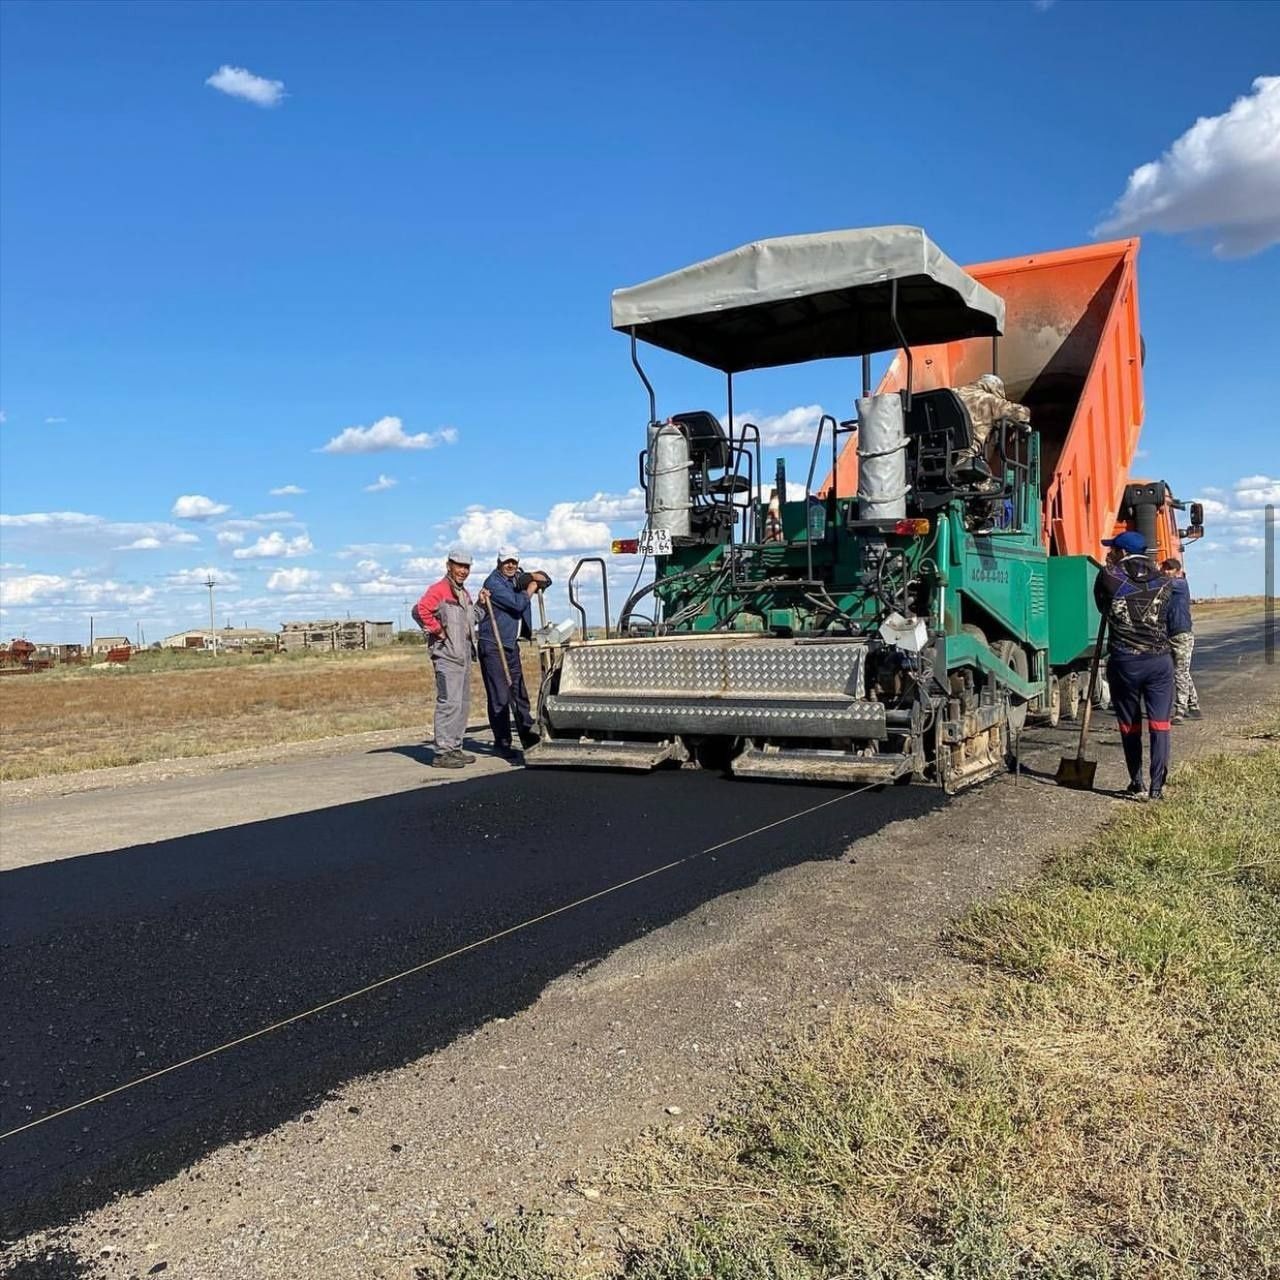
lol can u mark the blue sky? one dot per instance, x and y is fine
(200, 291)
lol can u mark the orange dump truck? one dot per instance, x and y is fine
(1072, 352)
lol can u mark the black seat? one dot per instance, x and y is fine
(707, 439)
(939, 426)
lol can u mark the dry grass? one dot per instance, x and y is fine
(1227, 607)
(170, 707)
(1096, 1096)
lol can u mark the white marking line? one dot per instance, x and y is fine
(426, 964)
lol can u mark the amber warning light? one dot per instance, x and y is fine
(909, 528)
(625, 546)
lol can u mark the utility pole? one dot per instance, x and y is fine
(91, 635)
(213, 630)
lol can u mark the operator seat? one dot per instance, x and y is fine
(940, 427)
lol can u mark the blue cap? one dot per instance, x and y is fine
(1131, 543)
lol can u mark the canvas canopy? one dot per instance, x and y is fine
(810, 297)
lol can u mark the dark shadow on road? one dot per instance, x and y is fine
(117, 964)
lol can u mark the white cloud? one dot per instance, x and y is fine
(568, 526)
(48, 519)
(272, 517)
(275, 544)
(195, 506)
(287, 491)
(70, 591)
(230, 538)
(1222, 176)
(73, 530)
(369, 566)
(341, 590)
(4, 417)
(293, 579)
(200, 576)
(381, 484)
(795, 426)
(236, 82)
(54, 422)
(1249, 544)
(373, 549)
(614, 506)
(1258, 491)
(387, 433)
(30, 587)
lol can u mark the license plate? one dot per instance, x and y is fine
(655, 542)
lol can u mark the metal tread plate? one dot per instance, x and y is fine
(736, 716)
(715, 665)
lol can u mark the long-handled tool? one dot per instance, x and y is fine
(1075, 771)
(497, 635)
(527, 736)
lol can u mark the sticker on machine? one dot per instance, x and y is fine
(654, 542)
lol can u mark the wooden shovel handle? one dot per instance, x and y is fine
(502, 649)
(1093, 684)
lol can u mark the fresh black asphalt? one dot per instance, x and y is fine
(120, 963)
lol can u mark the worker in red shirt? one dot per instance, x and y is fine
(449, 618)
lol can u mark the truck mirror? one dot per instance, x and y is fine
(1197, 513)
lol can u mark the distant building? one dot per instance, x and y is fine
(104, 644)
(60, 652)
(229, 639)
(330, 634)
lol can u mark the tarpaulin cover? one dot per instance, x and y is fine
(810, 297)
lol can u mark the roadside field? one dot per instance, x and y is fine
(1228, 606)
(163, 708)
(1091, 1090)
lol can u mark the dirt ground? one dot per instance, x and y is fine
(68, 720)
(520, 1110)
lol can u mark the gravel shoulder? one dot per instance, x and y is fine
(519, 1111)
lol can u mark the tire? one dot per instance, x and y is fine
(1014, 656)
(1053, 712)
(1072, 695)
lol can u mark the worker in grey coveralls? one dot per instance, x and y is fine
(449, 618)
(1182, 640)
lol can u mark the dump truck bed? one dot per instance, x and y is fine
(1072, 353)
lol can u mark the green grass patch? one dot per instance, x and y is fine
(1095, 1097)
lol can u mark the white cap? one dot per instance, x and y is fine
(508, 553)
(459, 555)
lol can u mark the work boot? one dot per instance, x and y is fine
(529, 738)
(465, 756)
(1194, 713)
(506, 751)
(448, 760)
(1178, 718)
(1137, 790)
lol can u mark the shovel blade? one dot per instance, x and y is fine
(1076, 772)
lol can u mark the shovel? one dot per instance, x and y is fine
(1075, 771)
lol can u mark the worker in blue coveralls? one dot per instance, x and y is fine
(1137, 600)
(504, 686)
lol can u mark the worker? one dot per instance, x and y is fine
(1182, 639)
(1136, 599)
(449, 618)
(507, 619)
(986, 402)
